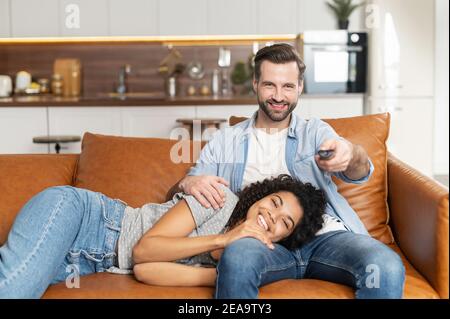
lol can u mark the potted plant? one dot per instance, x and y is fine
(343, 9)
(239, 77)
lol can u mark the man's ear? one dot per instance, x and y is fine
(300, 87)
(255, 85)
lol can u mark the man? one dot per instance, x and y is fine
(276, 141)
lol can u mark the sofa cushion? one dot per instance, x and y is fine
(23, 176)
(369, 200)
(135, 170)
(106, 285)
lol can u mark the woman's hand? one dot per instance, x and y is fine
(247, 228)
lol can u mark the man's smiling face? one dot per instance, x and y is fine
(278, 89)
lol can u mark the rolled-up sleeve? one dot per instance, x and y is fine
(362, 180)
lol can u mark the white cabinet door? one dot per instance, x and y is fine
(402, 49)
(37, 18)
(79, 120)
(339, 107)
(93, 17)
(277, 17)
(232, 17)
(133, 18)
(4, 19)
(411, 132)
(226, 111)
(315, 15)
(18, 126)
(153, 121)
(182, 17)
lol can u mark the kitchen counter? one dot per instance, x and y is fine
(144, 100)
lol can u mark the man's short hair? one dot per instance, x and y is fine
(279, 53)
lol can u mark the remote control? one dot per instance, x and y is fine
(325, 154)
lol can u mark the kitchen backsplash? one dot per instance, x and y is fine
(101, 63)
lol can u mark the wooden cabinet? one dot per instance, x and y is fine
(402, 49)
(4, 19)
(181, 17)
(135, 18)
(411, 131)
(18, 126)
(37, 18)
(79, 120)
(231, 17)
(153, 121)
(93, 17)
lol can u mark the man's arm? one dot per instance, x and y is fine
(359, 165)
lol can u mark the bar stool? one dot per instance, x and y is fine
(58, 139)
(206, 123)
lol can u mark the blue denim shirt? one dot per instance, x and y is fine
(225, 155)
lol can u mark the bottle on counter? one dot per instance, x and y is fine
(57, 84)
(215, 83)
(44, 86)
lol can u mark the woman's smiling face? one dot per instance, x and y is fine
(278, 214)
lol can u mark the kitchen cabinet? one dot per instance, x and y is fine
(4, 19)
(133, 18)
(401, 49)
(232, 17)
(277, 17)
(327, 108)
(315, 15)
(153, 121)
(93, 18)
(181, 17)
(37, 18)
(18, 126)
(79, 120)
(411, 131)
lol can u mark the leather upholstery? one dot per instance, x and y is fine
(139, 170)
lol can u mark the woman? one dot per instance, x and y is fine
(66, 228)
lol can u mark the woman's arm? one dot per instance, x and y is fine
(167, 240)
(173, 274)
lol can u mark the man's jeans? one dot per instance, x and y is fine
(359, 261)
(61, 232)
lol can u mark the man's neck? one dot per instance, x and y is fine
(263, 121)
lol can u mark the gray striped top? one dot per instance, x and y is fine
(137, 221)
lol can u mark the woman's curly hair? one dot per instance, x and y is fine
(311, 199)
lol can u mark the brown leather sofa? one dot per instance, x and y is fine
(399, 206)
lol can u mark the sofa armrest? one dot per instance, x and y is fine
(419, 220)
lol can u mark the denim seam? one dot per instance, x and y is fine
(274, 269)
(342, 267)
(38, 245)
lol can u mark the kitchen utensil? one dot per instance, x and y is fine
(224, 57)
(23, 81)
(5, 86)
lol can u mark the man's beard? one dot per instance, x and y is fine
(276, 116)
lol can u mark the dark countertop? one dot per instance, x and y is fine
(141, 100)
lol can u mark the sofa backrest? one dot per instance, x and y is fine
(23, 176)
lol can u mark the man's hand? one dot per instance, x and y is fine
(341, 158)
(206, 189)
(347, 157)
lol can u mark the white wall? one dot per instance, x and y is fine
(441, 145)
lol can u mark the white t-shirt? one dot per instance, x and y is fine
(266, 158)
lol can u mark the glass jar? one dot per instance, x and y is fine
(57, 84)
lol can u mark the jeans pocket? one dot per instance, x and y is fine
(90, 261)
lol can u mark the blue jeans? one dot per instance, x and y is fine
(62, 231)
(359, 261)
